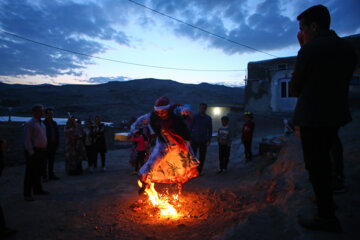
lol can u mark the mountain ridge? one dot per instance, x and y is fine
(114, 101)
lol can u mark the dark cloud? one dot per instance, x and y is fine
(268, 28)
(79, 27)
(65, 25)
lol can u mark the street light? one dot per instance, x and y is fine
(217, 111)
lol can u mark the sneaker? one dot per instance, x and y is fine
(29, 198)
(41, 193)
(135, 173)
(220, 171)
(321, 224)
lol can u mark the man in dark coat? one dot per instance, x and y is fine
(201, 133)
(52, 134)
(323, 69)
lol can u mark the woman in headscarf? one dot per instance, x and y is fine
(75, 149)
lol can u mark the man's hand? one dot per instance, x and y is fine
(300, 38)
(207, 143)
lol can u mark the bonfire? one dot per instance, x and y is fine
(164, 202)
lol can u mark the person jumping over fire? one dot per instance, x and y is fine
(172, 159)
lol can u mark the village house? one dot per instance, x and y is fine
(267, 84)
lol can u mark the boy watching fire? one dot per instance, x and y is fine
(224, 142)
(247, 135)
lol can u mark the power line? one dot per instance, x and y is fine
(201, 29)
(117, 61)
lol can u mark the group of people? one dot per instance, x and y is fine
(41, 141)
(323, 69)
(180, 135)
(84, 142)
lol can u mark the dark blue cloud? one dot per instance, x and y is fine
(67, 25)
(79, 27)
(268, 28)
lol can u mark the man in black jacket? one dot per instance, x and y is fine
(324, 67)
(52, 134)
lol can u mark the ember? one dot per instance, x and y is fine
(164, 202)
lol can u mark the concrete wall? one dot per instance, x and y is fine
(263, 88)
(278, 103)
(263, 91)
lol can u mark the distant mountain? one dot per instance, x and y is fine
(114, 101)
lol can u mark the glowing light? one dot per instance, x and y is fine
(161, 201)
(217, 111)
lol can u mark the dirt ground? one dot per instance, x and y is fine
(256, 200)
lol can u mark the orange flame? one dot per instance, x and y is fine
(161, 201)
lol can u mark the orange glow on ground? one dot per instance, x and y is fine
(164, 202)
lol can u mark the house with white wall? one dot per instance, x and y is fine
(267, 83)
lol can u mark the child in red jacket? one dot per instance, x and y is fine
(141, 150)
(247, 134)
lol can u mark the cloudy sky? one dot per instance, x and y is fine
(134, 38)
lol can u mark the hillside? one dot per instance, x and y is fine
(114, 101)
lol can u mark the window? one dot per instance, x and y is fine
(285, 91)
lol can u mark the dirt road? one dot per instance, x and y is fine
(257, 200)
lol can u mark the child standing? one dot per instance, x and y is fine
(141, 150)
(224, 141)
(89, 144)
(247, 134)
